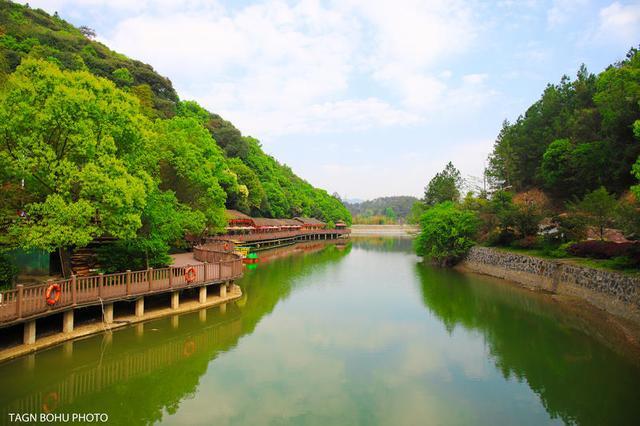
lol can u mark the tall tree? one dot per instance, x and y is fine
(445, 186)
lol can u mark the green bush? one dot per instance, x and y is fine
(8, 271)
(447, 233)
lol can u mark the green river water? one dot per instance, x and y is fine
(361, 334)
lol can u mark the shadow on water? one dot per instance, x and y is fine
(155, 364)
(532, 339)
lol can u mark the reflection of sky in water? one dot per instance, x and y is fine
(355, 345)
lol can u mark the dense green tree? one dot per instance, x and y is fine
(576, 137)
(569, 169)
(192, 165)
(446, 233)
(69, 136)
(445, 186)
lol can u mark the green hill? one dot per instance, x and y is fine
(95, 144)
(395, 208)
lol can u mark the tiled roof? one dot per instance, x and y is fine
(309, 221)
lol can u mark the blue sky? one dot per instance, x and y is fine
(364, 97)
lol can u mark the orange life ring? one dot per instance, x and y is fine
(189, 348)
(50, 402)
(190, 274)
(53, 294)
(226, 246)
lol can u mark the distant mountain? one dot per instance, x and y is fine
(397, 207)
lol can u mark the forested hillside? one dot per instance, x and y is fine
(577, 137)
(94, 144)
(390, 209)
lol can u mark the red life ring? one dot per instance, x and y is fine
(189, 348)
(53, 294)
(226, 246)
(50, 402)
(190, 274)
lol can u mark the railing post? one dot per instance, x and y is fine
(149, 276)
(20, 288)
(74, 289)
(170, 277)
(100, 284)
(128, 282)
(204, 273)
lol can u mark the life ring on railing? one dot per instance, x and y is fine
(53, 294)
(190, 274)
(189, 348)
(50, 402)
(226, 246)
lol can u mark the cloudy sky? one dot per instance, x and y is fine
(365, 97)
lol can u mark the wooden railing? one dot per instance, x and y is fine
(30, 301)
(266, 236)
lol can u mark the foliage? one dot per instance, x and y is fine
(445, 186)
(373, 220)
(598, 208)
(605, 250)
(628, 216)
(417, 210)
(62, 133)
(32, 32)
(571, 169)
(8, 271)
(576, 137)
(401, 206)
(446, 233)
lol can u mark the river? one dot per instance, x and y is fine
(361, 334)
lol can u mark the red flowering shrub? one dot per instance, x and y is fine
(605, 250)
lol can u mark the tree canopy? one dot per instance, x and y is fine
(577, 137)
(444, 186)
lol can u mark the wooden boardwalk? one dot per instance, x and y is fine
(28, 303)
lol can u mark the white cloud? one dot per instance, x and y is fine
(277, 68)
(620, 23)
(563, 10)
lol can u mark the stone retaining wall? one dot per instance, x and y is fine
(614, 292)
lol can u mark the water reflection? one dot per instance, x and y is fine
(536, 341)
(359, 333)
(384, 244)
(151, 367)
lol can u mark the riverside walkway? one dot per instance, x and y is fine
(270, 239)
(25, 304)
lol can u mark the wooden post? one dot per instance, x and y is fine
(74, 289)
(100, 284)
(170, 277)
(20, 298)
(149, 276)
(128, 282)
(204, 273)
(29, 337)
(67, 321)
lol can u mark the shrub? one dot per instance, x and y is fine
(528, 242)
(606, 250)
(501, 237)
(8, 271)
(446, 233)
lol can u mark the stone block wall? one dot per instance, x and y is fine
(612, 291)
